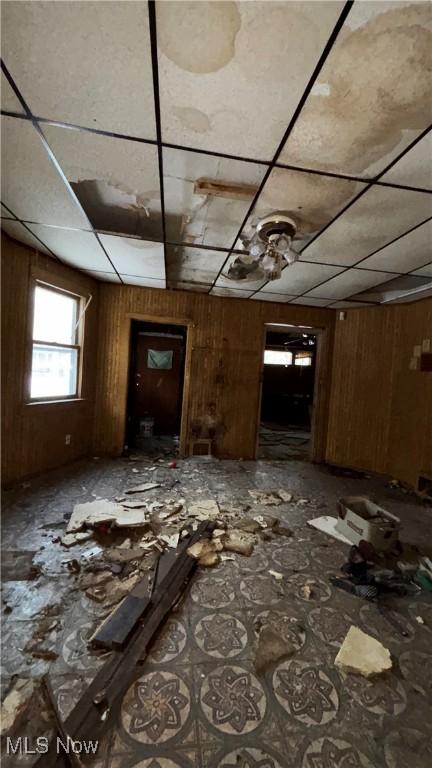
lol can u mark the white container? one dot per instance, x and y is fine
(359, 518)
(146, 426)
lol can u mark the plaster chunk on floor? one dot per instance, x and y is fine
(100, 511)
(16, 703)
(239, 541)
(207, 509)
(361, 654)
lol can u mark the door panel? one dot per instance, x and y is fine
(157, 392)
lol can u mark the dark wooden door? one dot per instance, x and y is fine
(157, 392)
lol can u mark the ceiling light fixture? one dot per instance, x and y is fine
(268, 249)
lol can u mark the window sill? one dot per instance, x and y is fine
(57, 402)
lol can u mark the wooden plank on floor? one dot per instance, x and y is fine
(91, 715)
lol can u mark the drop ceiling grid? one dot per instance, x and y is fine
(406, 169)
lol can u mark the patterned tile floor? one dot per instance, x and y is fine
(198, 701)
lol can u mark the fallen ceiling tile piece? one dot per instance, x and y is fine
(70, 539)
(269, 498)
(207, 509)
(239, 541)
(100, 511)
(361, 654)
(16, 703)
(206, 552)
(327, 524)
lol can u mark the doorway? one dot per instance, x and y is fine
(287, 394)
(155, 389)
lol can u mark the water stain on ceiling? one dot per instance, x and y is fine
(368, 107)
(198, 37)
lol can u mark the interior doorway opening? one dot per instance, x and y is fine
(287, 393)
(155, 390)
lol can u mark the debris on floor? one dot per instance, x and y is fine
(207, 509)
(14, 708)
(270, 498)
(206, 552)
(271, 648)
(239, 541)
(327, 524)
(362, 654)
(142, 488)
(360, 519)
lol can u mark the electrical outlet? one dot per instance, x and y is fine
(67, 439)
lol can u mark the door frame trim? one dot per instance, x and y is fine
(320, 402)
(126, 333)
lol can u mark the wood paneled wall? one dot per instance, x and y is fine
(223, 360)
(378, 416)
(33, 435)
(380, 410)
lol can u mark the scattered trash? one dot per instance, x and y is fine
(419, 620)
(306, 591)
(268, 498)
(70, 539)
(282, 529)
(327, 524)
(359, 518)
(206, 552)
(278, 576)
(361, 654)
(207, 509)
(239, 541)
(16, 703)
(170, 540)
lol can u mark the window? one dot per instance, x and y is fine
(277, 357)
(303, 358)
(55, 344)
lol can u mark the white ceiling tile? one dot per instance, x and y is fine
(211, 219)
(359, 117)
(9, 101)
(311, 200)
(232, 292)
(310, 302)
(406, 254)
(415, 168)
(6, 214)
(31, 185)
(144, 282)
(117, 181)
(380, 215)
(396, 289)
(104, 277)
(135, 257)
(80, 249)
(86, 63)
(194, 264)
(19, 232)
(348, 283)
(220, 88)
(424, 271)
(278, 297)
(300, 277)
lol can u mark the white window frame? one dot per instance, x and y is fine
(78, 342)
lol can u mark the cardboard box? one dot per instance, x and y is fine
(359, 518)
